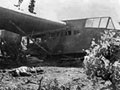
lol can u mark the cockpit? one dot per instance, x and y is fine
(100, 22)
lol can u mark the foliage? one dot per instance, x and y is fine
(103, 59)
(31, 6)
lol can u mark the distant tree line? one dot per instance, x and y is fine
(31, 6)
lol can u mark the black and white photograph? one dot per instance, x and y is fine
(59, 44)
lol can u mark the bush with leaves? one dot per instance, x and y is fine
(31, 6)
(103, 58)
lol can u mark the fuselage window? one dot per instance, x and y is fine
(76, 32)
(69, 32)
(65, 33)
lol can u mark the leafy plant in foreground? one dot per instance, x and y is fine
(103, 59)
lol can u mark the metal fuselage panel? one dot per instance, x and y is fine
(10, 37)
(25, 24)
(78, 39)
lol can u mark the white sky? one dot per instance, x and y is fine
(70, 9)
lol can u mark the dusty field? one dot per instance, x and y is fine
(71, 78)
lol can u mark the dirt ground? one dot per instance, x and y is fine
(72, 78)
(68, 77)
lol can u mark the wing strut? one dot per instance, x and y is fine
(18, 28)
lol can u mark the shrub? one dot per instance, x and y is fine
(103, 60)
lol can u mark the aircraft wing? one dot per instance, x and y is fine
(19, 23)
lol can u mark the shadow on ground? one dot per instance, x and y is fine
(36, 62)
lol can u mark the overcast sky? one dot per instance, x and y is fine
(70, 9)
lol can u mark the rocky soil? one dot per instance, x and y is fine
(53, 78)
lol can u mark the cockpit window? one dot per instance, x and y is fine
(100, 22)
(110, 25)
(103, 22)
(92, 22)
